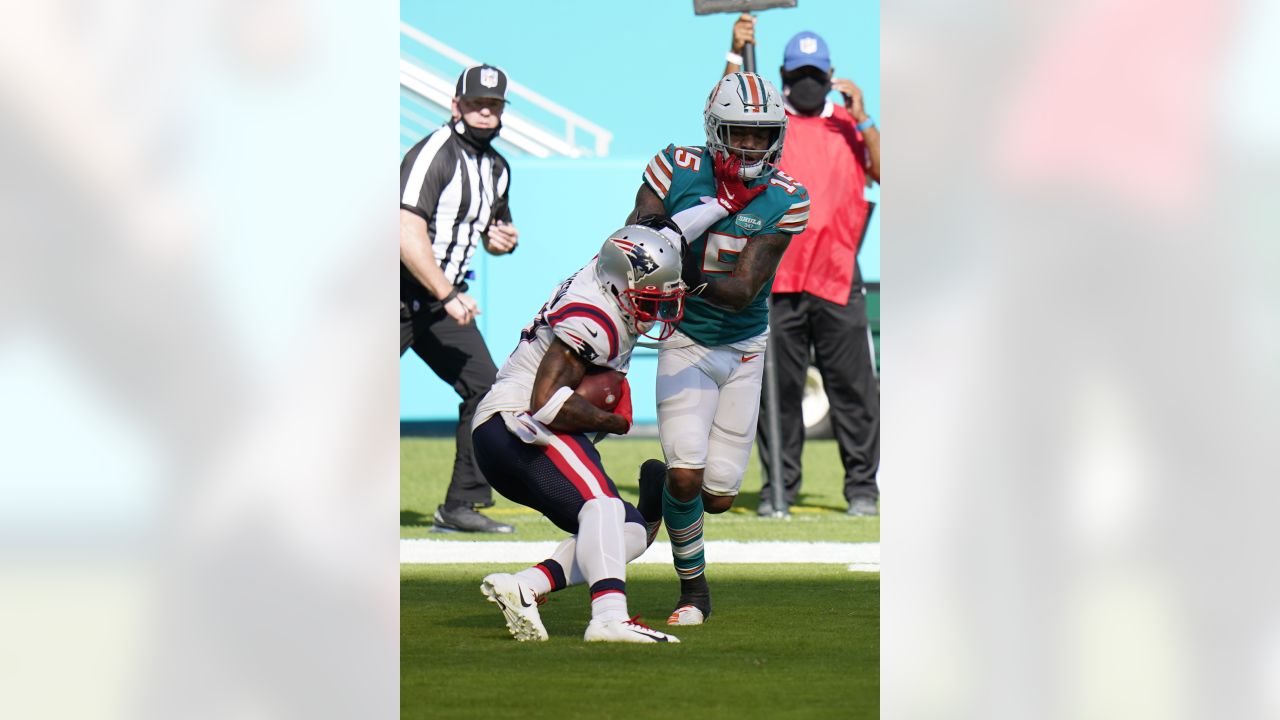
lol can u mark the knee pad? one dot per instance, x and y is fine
(722, 477)
(608, 509)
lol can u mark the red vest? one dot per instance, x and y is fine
(825, 154)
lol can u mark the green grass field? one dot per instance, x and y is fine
(786, 641)
(426, 464)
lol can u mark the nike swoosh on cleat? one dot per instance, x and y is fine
(522, 602)
(649, 633)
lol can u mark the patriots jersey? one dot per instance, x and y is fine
(682, 176)
(583, 317)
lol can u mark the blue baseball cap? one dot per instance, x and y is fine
(806, 48)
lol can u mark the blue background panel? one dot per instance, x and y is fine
(644, 75)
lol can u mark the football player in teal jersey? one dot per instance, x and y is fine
(737, 213)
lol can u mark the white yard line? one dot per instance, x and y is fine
(862, 557)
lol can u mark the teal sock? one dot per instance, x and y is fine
(684, 525)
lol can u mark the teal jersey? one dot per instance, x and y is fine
(682, 176)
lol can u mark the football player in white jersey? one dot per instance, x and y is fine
(711, 371)
(530, 431)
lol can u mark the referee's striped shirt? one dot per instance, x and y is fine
(456, 191)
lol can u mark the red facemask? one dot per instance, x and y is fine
(651, 305)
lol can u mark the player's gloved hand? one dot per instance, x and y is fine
(731, 190)
(624, 406)
(530, 431)
(691, 270)
(660, 223)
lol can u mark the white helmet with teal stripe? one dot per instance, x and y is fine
(743, 100)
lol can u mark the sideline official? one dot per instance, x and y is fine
(453, 197)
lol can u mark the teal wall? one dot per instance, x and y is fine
(644, 75)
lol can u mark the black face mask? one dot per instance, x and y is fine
(478, 138)
(807, 95)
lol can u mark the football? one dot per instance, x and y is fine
(601, 387)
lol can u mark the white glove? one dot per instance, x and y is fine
(530, 431)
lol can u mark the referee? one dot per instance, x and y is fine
(453, 197)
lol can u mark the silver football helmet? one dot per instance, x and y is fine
(640, 269)
(741, 100)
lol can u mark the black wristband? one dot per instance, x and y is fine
(452, 294)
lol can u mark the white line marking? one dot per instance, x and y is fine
(862, 557)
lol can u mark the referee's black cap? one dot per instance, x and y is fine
(482, 81)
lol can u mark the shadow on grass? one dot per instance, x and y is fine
(750, 500)
(413, 518)
(485, 620)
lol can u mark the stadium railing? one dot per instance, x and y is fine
(428, 71)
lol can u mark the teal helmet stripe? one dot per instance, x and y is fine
(742, 89)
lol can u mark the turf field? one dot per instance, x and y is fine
(786, 641)
(426, 463)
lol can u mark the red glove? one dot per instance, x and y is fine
(731, 190)
(624, 405)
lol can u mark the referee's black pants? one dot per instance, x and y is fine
(458, 355)
(838, 337)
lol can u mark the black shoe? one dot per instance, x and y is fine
(863, 507)
(766, 508)
(653, 476)
(464, 519)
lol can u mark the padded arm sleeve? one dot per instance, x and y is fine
(696, 220)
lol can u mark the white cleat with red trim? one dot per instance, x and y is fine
(519, 606)
(625, 631)
(686, 615)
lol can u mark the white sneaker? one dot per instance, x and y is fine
(686, 615)
(625, 631)
(519, 606)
